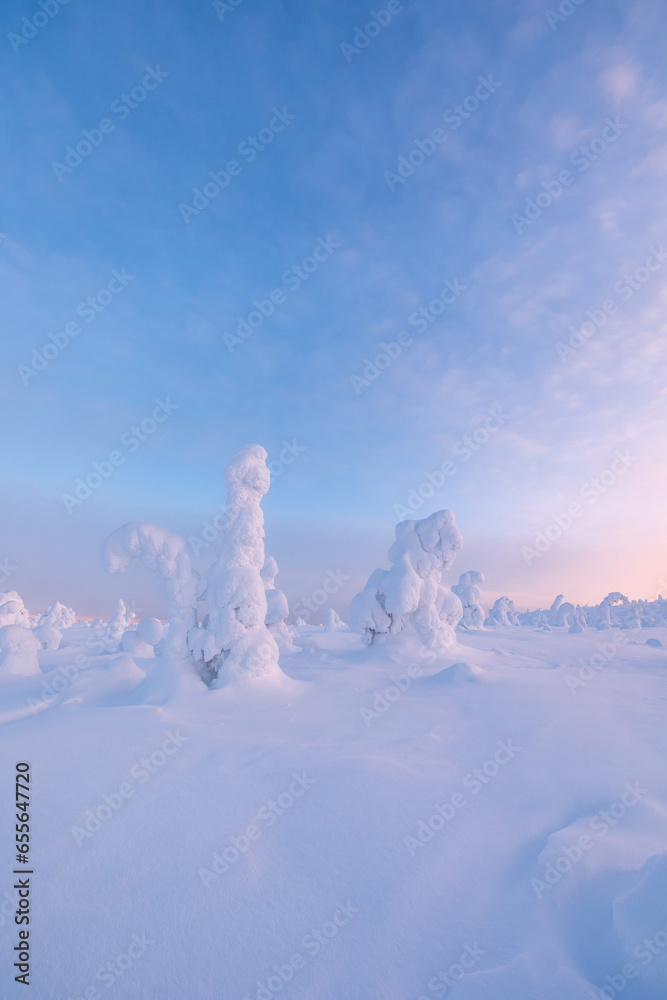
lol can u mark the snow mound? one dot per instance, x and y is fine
(460, 672)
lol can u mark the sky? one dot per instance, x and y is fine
(224, 215)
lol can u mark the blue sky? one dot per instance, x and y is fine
(593, 78)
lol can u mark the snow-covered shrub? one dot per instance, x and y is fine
(631, 618)
(579, 620)
(410, 597)
(59, 616)
(604, 609)
(469, 591)
(166, 553)
(300, 622)
(502, 613)
(18, 651)
(12, 610)
(277, 608)
(332, 621)
(117, 625)
(565, 615)
(237, 642)
(48, 636)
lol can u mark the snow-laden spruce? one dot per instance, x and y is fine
(48, 636)
(410, 597)
(59, 616)
(117, 625)
(12, 610)
(332, 621)
(18, 651)
(164, 552)
(236, 641)
(277, 608)
(469, 591)
(502, 613)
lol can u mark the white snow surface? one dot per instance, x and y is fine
(235, 826)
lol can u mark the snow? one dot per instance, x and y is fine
(12, 610)
(404, 806)
(426, 802)
(164, 552)
(18, 651)
(237, 645)
(410, 596)
(59, 616)
(469, 590)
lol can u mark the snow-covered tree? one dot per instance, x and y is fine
(579, 621)
(565, 615)
(332, 621)
(59, 616)
(236, 641)
(277, 608)
(117, 625)
(469, 591)
(48, 635)
(502, 613)
(164, 552)
(410, 598)
(12, 610)
(18, 651)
